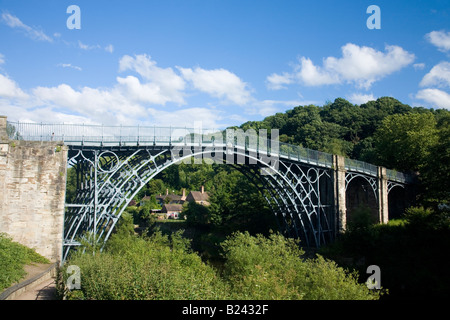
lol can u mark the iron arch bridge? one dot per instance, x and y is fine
(302, 187)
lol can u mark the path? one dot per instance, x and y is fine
(42, 288)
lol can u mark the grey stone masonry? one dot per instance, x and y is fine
(3, 133)
(383, 201)
(339, 193)
(32, 197)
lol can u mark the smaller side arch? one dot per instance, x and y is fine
(397, 202)
(361, 194)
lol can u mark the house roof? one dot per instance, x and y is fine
(172, 207)
(198, 196)
(172, 197)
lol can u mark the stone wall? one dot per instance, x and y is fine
(32, 193)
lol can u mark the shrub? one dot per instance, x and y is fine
(157, 267)
(273, 268)
(165, 267)
(13, 258)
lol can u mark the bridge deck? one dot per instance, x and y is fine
(107, 137)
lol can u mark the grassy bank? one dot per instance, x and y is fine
(13, 258)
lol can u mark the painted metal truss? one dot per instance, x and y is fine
(108, 179)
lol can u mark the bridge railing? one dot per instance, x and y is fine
(306, 155)
(104, 135)
(361, 166)
(397, 176)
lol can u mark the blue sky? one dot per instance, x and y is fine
(222, 62)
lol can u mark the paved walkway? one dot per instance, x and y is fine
(41, 289)
(45, 290)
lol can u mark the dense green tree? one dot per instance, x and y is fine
(71, 185)
(196, 214)
(404, 141)
(436, 171)
(236, 204)
(346, 115)
(272, 267)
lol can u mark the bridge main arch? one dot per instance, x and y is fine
(107, 180)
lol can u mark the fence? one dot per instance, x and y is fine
(103, 135)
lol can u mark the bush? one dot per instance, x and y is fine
(164, 267)
(411, 253)
(13, 258)
(134, 268)
(273, 268)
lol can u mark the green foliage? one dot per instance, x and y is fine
(436, 170)
(153, 268)
(164, 267)
(404, 141)
(237, 205)
(13, 258)
(153, 187)
(361, 220)
(411, 253)
(342, 128)
(196, 214)
(71, 185)
(273, 268)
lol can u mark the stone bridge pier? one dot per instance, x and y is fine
(32, 192)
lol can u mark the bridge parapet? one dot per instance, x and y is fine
(106, 136)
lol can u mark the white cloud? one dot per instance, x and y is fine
(187, 117)
(87, 47)
(165, 83)
(437, 98)
(10, 90)
(439, 76)
(134, 98)
(418, 66)
(34, 33)
(360, 98)
(361, 66)
(311, 75)
(100, 105)
(68, 65)
(277, 82)
(365, 65)
(440, 39)
(109, 48)
(150, 92)
(268, 107)
(219, 83)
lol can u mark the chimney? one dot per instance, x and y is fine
(203, 189)
(183, 197)
(167, 192)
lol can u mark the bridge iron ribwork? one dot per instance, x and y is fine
(112, 163)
